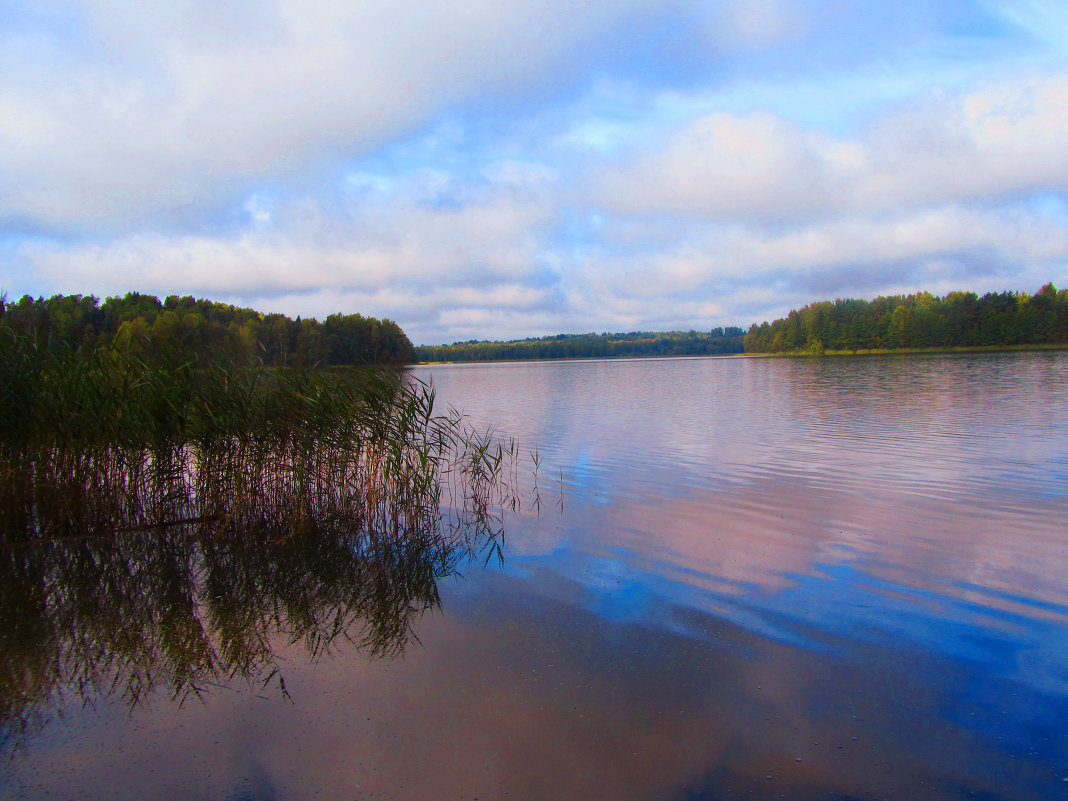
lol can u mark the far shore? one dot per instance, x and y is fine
(786, 354)
(906, 351)
(596, 359)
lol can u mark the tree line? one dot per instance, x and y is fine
(922, 320)
(718, 341)
(200, 327)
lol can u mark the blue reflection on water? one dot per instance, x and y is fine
(903, 517)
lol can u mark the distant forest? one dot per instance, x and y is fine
(579, 346)
(960, 319)
(200, 327)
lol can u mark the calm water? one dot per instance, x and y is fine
(747, 578)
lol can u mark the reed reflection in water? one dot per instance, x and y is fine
(182, 567)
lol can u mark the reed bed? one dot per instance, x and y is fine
(100, 441)
(169, 524)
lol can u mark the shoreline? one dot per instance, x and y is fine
(593, 359)
(793, 354)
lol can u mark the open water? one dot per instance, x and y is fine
(820, 579)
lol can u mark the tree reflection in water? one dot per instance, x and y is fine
(126, 572)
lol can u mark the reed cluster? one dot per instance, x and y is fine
(166, 523)
(96, 441)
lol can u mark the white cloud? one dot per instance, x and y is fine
(999, 141)
(485, 242)
(215, 149)
(152, 109)
(492, 269)
(757, 24)
(741, 272)
(403, 255)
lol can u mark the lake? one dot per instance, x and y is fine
(841, 578)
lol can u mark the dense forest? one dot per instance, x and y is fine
(196, 326)
(960, 319)
(577, 346)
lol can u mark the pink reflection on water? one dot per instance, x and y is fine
(885, 514)
(542, 702)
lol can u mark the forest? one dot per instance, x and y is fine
(718, 341)
(136, 415)
(199, 327)
(921, 320)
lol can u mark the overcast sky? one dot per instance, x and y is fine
(504, 168)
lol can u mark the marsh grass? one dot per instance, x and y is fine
(166, 525)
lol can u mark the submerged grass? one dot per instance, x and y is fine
(164, 522)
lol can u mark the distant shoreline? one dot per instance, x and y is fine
(917, 351)
(651, 357)
(796, 354)
(918, 323)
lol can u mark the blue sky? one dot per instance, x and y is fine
(498, 169)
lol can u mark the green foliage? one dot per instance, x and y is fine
(960, 319)
(203, 327)
(718, 341)
(181, 491)
(164, 524)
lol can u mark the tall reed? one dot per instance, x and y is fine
(101, 440)
(165, 523)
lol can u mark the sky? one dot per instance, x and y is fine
(496, 170)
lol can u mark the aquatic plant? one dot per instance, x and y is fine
(168, 523)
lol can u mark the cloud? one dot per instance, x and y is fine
(480, 169)
(492, 262)
(119, 114)
(735, 272)
(414, 250)
(1004, 140)
(139, 112)
(758, 24)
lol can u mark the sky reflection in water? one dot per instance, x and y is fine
(843, 507)
(816, 579)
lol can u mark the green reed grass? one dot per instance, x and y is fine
(165, 522)
(97, 440)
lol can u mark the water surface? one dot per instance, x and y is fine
(745, 578)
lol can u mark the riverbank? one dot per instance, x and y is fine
(912, 351)
(593, 359)
(788, 354)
